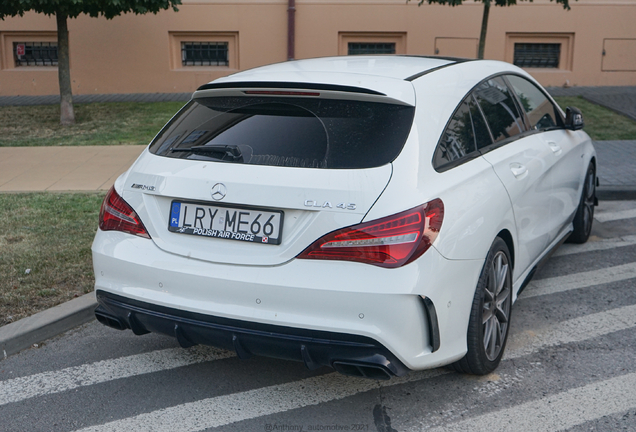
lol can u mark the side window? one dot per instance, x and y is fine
(458, 139)
(482, 135)
(541, 113)
(499, 108)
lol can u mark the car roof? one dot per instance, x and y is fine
(388, 66)
(385, 76)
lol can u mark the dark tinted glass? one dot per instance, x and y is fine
(204, 54)
(499, 109)
(368, 48)
(293, 132)
(35, 53)
(482, 135)
(537, 55)
(458, 140)
(542, 114)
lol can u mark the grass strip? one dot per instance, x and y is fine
(601, 123)
(137, 123)
(96, 124)
(45, 250)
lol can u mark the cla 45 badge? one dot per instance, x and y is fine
(327, 204)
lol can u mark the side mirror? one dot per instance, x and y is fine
(573, 119)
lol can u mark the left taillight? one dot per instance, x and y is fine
(117, 215)
(391, 242)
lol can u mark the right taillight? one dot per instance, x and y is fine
(388, 242)
(117, 215)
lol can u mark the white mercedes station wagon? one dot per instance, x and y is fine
(373, 214)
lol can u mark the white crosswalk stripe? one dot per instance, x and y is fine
(557, 412)
(574, 330)
(579, 280)
(616, 215)
(107, 370)
(226, 409)
(591, 246)
(21, 388)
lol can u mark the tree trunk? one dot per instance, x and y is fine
(484, 29)
(67, 114)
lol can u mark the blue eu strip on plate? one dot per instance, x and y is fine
(174, 214)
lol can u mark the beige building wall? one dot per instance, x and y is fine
(142, 54)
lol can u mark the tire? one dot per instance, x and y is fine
(489, 323)
(584, 217)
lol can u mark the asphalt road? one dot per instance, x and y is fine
(570, 365)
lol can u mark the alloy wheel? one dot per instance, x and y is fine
(496, 308)
(588, 201)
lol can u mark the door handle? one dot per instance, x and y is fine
(518, 170)
(556, 149)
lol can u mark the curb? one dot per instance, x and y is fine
(44, 325)
(616, 193)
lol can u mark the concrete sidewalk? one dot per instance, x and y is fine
(89, 168)
(95, 168)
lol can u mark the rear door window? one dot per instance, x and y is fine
(289, 132)
(464, 134)
(500, 109)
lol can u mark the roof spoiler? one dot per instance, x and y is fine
(293, 89)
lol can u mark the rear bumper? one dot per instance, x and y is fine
(316, 298)
(347, 353)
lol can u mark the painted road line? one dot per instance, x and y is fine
(591, 246)
(17, 389)
(557, 412)
(227, 409)
(579, 280)
(617, 215)
(574, 330)
(231, 408)
(41, 384)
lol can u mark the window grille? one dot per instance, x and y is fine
(204, 54)
(357, 48)
(537, 55)
(35, 53)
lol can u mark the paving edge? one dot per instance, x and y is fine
(44, 325)
(616, 193)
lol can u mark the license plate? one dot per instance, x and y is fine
(231, 223)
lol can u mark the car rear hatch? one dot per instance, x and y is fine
(253, 174)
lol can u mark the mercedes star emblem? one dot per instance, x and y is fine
(218, 191)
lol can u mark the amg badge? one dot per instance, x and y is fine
(143, 187)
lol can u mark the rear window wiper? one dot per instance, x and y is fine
(225, 152)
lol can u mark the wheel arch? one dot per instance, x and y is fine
(506, 236)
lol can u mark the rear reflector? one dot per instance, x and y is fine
(391, 242)
(117, 215)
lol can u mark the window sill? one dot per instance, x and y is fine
(546, 70)
(205, 69)
(30, 69)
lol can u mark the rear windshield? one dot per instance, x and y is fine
(289, 132)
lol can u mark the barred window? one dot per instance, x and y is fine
(204, 54)
(357, 48)
(537, 55)
(35, 53)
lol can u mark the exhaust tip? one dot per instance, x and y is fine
(362, 370)
(110, 321)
